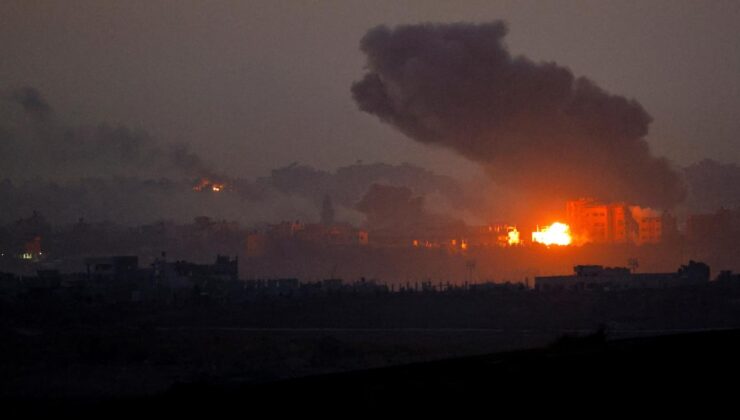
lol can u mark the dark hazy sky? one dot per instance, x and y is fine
(259, 84)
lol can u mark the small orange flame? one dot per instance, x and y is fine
(207, 184)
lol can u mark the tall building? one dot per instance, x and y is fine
(593, 221)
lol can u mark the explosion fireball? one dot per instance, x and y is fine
(555, 234)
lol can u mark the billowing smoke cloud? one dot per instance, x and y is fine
(534, 126)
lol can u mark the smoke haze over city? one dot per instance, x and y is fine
(217, 204)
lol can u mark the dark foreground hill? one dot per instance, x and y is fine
(573, 370)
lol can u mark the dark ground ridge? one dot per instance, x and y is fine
(574, 367)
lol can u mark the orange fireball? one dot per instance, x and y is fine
(555, 234)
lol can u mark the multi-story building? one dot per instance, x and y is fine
(593, 221)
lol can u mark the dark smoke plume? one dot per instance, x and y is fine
(534, 126)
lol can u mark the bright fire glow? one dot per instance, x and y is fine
(513, 236)
(555, 234)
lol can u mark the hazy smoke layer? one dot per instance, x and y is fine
(347, 184)
(534, 126)
(99, 173)
(133, 201)
(118, 174)
(712, 185)
(393, 207)
(34, 144)
(386, 206)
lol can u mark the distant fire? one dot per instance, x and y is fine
(513, 237)
(555, 234)
(206, 184)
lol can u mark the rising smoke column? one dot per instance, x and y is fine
(532, 125)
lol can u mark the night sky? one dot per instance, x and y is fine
(260, 84)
